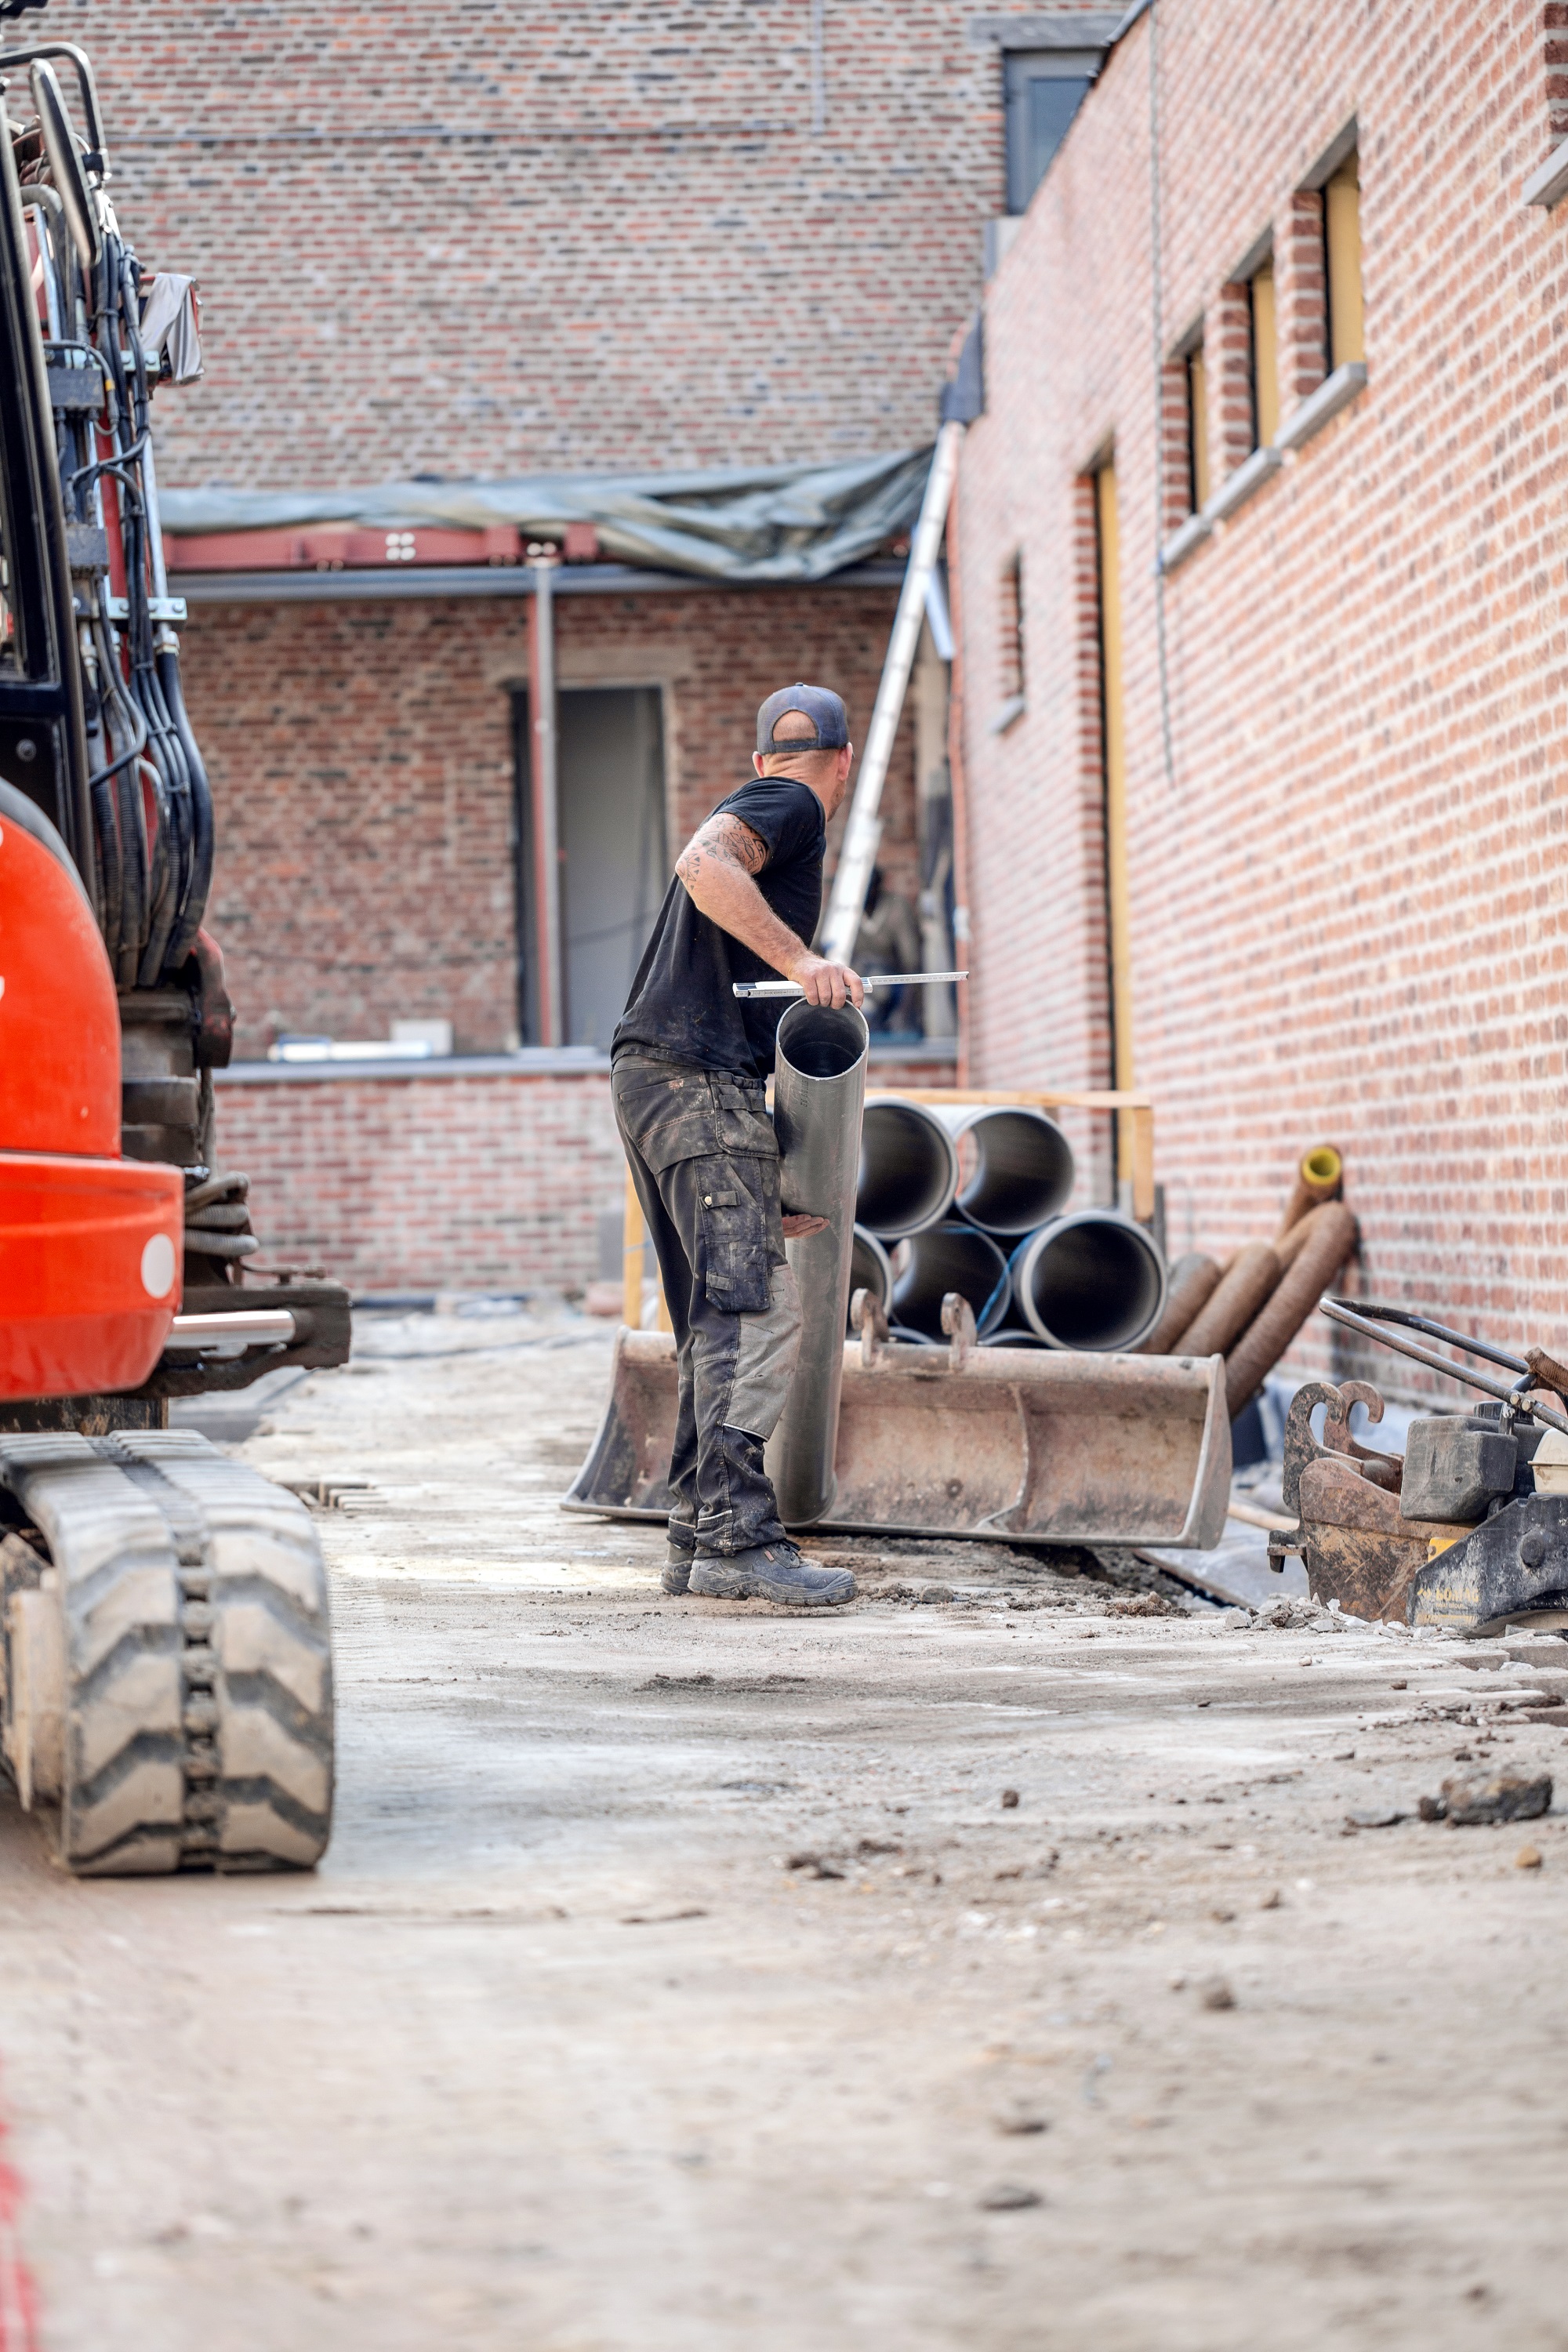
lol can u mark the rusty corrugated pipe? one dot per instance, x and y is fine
(1246, 1282)
(1317, 1262)
(1193, 1281)
(1290, 1247)
(1320, 1177)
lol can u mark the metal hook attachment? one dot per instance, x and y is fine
(958, 1322)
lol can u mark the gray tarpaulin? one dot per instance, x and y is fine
(769, 522)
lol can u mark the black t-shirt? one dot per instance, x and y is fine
(682, 1006)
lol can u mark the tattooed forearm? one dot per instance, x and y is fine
(718, 866)
(725, 840)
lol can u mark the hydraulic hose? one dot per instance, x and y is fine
(148, 792)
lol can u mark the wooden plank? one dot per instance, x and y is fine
(1138, 1121)
(1028, 1097)
(1119, 894)
(634, 1233)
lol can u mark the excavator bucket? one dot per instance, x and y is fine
(999, 1443)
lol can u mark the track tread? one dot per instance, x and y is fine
(199, 1714)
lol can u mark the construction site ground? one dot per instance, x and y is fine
(683, 1974)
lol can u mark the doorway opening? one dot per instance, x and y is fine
(610, 827)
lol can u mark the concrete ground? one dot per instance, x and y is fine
(682, 1974)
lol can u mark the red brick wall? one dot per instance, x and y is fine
(1350, 905)
(428, 1183)
(362, 771)
(483, 239)
(470, 1183)
(361, 763)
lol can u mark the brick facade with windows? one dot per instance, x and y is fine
(1349, 881)
(480, 242)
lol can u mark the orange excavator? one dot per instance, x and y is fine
(166, 1700)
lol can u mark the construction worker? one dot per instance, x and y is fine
(691, 1059)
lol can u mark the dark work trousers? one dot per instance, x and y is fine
(706, 1166)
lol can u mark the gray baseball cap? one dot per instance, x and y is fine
(817, 703)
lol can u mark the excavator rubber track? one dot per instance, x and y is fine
(169, 1680)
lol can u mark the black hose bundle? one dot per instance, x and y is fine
(151, 805)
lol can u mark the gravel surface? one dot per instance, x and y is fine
(1048, 1964)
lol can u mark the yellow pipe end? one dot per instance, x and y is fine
(1321, 1170)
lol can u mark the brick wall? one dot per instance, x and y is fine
(361, 762)
(362, 777)
(428, 1183)
(453, 1180)
(1349, 896)
(476, 239)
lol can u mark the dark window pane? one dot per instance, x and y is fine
(1040, 106)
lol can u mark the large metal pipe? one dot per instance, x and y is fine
(819, 1091)
(908, 1169)
(870, 1268)
(1023, 1167)
(1093, 1281)
(944, 1258)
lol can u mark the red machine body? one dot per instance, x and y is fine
(89, 1243)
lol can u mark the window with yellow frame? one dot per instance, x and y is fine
(1342, 263)
(1263, 354)
(1197, 428)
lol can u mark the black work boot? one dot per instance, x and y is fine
(677, 1563)
(775, 1571)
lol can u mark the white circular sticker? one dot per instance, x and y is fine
(158, 1267)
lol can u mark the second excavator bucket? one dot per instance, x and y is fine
(1004, 1443)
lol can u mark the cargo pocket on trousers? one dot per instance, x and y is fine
(741, 1116)
(668, 1117)
(737, 1242)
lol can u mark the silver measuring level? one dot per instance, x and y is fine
(869, 983)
